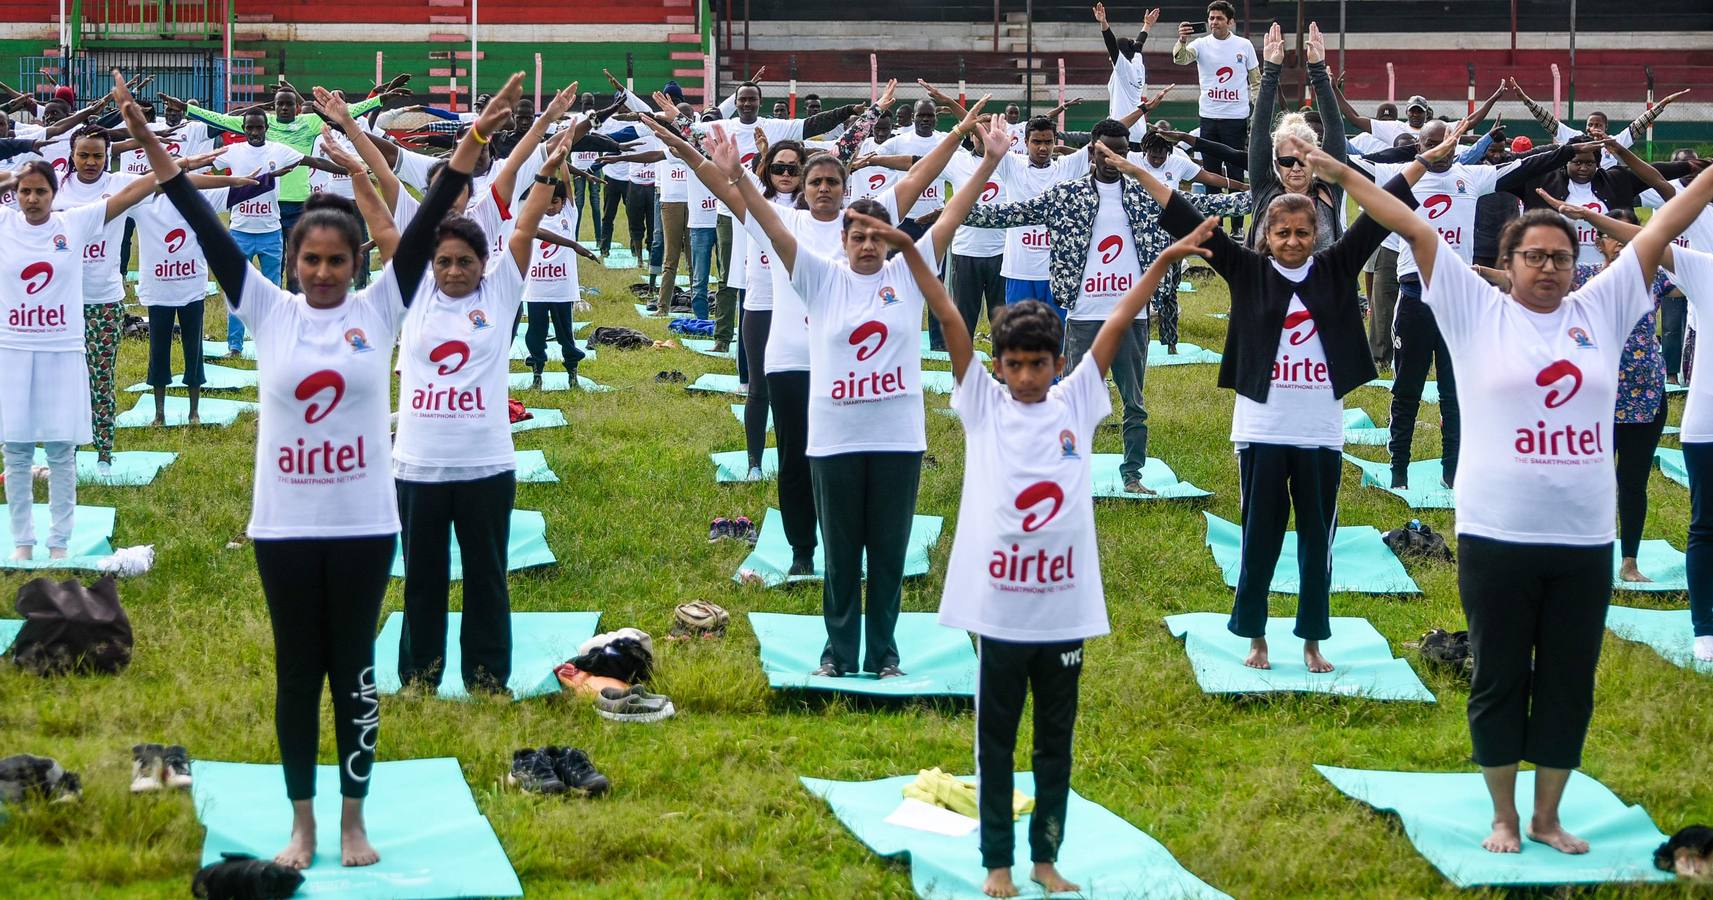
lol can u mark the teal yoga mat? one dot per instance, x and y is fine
(1658, 560)
(1671, 464)
(619, 259)
(733, 465)
(713, 383)
(532, 468)
(540, 642)
(1188, 354)
(219, 378)
(527, 548)
(212, 410)
(937, 382)
(642, 310)
(1102, 853)
(1361, 562)
(130, 467)
(1676, 388)
(1360, 429)
(937, 661)
(1430, 390)
(422, 818)
(1362, 661)
(1447, 814)
(540, 418)
(554, 381)
(1109, 485)
(771, 558)
(1668, 631)
(942, 356)
(738, 409)
(706, 348)
(520, 351)
(218, 350)
(1425, 490)
(9, 629)
(91, 540)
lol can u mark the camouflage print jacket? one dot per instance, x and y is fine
(1068, 210)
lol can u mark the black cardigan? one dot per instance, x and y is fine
(1260, 297)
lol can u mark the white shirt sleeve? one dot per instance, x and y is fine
(1460, 300)
(974, 396)
(810, 272)
(1086, 394)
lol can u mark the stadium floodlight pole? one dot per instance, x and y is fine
(1028, 57)
(1061, 93)
(791, 95)
(1556, 82)
(630, 73)
(1573, 58)
(1649, 72)
(538, 81)
(475, 44)
(1341, 30)
(1391, 84)
(873, 78)
(1471, 89)
(963, 92)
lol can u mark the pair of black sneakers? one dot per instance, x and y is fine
(556, 770)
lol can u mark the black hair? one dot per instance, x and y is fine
(1223, 6)
(1154, 139)
(1030, 326)
(91, 131)
(868, 207)
(1512, 235)
(808, 97)
(331, 211)
(1108, 128)
(885, 114)
(1311, 115)
(39, 167)
(465, 229)
(1600, 114)
(774, 150)
(1042, 123)
(560, 190)
(748, 84)
(256, 111)
(816, 161)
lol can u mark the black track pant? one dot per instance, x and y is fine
(1633, 447)
(1009, 671)
(788, 397)
(1673, 319)
(1537, 614)
(1231, 133)
(189, 319)
(613, 196)
(976, 286)
(639, 215)
(1274, 479)
(756, 325)
(535, 336)
(1420, 345)
(866, 502)
(480, 512)
(324, 599)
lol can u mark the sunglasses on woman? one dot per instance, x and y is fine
(1290, 162)
(785, 169)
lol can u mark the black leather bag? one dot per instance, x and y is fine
(72, 628)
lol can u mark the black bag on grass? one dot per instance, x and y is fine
(623, 658)
(1449, 650)
(622, 338)
(1417, 539)
(72, 628)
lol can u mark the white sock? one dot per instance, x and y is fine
(1704, 648)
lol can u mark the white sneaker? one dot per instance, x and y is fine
(145, 769)
(1704, 648)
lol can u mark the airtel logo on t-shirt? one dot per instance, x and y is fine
(312, 386)
(1437, 205)
(1554, 373)
(59, 165)
(1035, 494)
(447, 350)
(173, 148)
(1224, 74)
(1298, 338)
(547, 251)
(990, 191)
(877, 181)
(36, 276)
(175, 240)
(1109, 248)
(860, 336)
(747, 159)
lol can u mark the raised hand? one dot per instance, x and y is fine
(342, 158)
(1186, 31)
(723, 150)
(760, 145)
(996, 138)
(1314, 46)
(1121, 163)
(561, 103)
(1564, 208)
(1447, 147)
(128, 108)
(201, 160)
(889, 235)
(333, 106)
(665, 104)
(614, 81)
(1273, 46)
(1150, 17)
(499, 106)
(1191, 244)
(968, 125)
(887, 94)
(1671, 97)
(1149, 104)
(1100, 14)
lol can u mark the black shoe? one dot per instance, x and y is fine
(889, 672)
(535, 381)
(576, 772)
(532, 770)
(827, 670)
(722, 346)
(1400, 481)
(239, 876)
(801, 566)
(175, 767)
(571, 375)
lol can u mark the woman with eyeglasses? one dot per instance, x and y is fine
(1536, 490)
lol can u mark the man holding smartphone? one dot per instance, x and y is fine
(1229, 74)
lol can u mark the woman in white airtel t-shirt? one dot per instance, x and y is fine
(1535, 485)
(325, 515)
(866, 432)
(44, 394)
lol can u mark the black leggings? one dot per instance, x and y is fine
(535, 336)
(189, 319)
(639, 215)
(324, 599)
(1633, 446)
(788, 396)
(1008, 672)
(612, 197)
(1537, 614)
(866, 503)
(1273, 480)
(480, 512)
(756, 324)
(1419, 345)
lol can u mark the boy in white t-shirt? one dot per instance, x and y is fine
(1024, 575)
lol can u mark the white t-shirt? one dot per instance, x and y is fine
(1447, 201)
(758, 264)
(976, 242)
(1537, 392)
(336, 184)
(1124, 89)
(1699, 234)
(1362, 143)
(1177, 168)
(171, 268)
(1587, 236)
(1223, 68)
(323, 451)
(102, 280)
(704, 211)
(788, 336)
(675, 180)
(776, 130)
(258, 215)
(454, 356)
(1025, 565)
(909, 143)
(1692, 270)
(1019, 133)
(552, 268)
(136, 162)
(412, 167)
(1565, 133)
(1301, 409)
(865, 383)
(1113, 267)
(869, 181)
(41, 278)
(1387, 132)
(1028, 247)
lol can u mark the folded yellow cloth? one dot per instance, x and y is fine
(940, 789)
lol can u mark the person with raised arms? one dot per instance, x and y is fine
(1535, 490)
(325, 514)
(1127, 85)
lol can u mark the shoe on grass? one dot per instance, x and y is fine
(1135, 486)
(719, 528)
(755, 474)
(744, 530)
(636, 706)
(533, 771)
(175, 768)
(802, 566)
(146, 768)
(576, 772)
(722, 346)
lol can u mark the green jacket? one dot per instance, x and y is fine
(300, 134)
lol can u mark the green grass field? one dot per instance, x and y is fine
(707, 803)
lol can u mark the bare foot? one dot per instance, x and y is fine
(1504, 838)
(160, 420)
(1048, 877)
(1629, 571)
(1557, 838)
(195, 419)
(1257, 658)
(22, 553)
(1313, 659)
(56, 553)
(299, 852)
(999, 884)
(354, 846)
